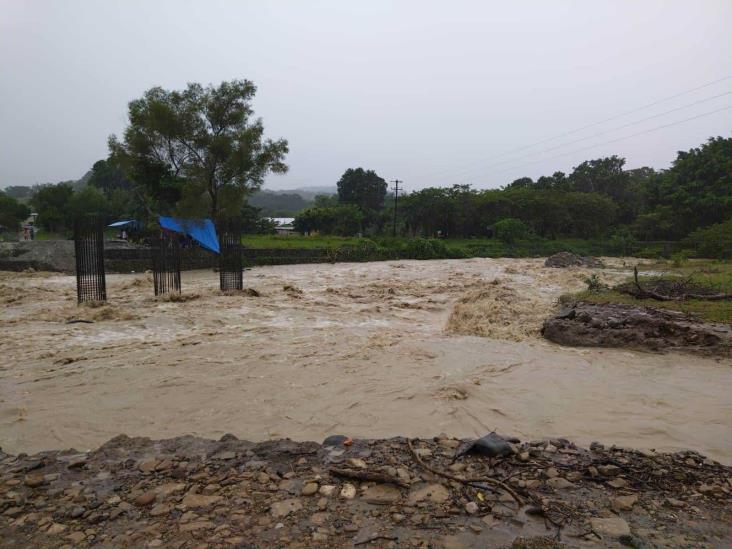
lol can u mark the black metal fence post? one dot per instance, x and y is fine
(89, 255)
(166, 264)
(230, 257)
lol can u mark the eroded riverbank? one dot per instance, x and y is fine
(372, 350)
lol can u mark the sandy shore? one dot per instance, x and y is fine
(370, 350)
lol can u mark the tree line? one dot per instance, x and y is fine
(200, 152)
(599, 198)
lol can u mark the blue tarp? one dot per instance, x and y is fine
(200, 230)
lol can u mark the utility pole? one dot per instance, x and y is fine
(396, 198)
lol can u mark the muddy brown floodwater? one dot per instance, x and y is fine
(370, 350)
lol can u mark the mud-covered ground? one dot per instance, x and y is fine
(400, 348)
(191, 492)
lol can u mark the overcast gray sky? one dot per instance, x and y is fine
(433, 93)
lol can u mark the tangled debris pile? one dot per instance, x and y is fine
(191, 492)
(639, 327)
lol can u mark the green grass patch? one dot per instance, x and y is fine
(714, 276)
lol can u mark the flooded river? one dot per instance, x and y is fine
(368, 350)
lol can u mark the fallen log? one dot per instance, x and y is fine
(643, 293)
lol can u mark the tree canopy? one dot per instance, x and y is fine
(199, 150)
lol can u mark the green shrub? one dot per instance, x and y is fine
(510, 230)
(713, 242)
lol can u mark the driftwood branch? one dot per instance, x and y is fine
(367, 475)
(642, 293)
(468, 481)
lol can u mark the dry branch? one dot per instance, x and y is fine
(468, 481)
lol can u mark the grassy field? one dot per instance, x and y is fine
(455, 247)
(716, 275)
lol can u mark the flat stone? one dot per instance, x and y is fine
(198, 525)
(624, 503)
(76, 537)
(148, 466)
(357, 463)
(613, 528)
(56, 528)
(160, 509)
(617, 482)
(435, 493)
(281, 509)
(310, 489)
(34, 481)
(169, 488)
(145, 499)
(200, 500)
(381, 494)
(560, 483)
(319, 518)
(327, 490)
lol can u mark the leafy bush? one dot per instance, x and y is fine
(714, 241)
(425, 248)
(622, 241)
(510, 230)
(594, 284)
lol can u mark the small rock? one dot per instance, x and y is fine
(34, 480)
(148, 466)
(677, 503)
(198, 500)
(280, 509)
(560, 483)
(613, 528)
(471, 508)
(56, 529)
(435, 493)
(160, 509)
(327, 490)
(348, 491)
(357, 463)
(618, 482)
(310, 489)
(145, 499)
(381, 494)
(624, 503)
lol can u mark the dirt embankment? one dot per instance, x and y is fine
(637, 327)
(190, 492)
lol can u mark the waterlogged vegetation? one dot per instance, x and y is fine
(699, 276)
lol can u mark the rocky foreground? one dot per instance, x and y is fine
(191, 492)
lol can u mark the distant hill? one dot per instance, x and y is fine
(279, 203)
(288, 202)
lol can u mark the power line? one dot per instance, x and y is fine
(396, 197)
(629, 124)
(709, 113)
(620, 115)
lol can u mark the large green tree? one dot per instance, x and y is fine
(52, 204)
(199, 149)
(362, 188)
(12, 212)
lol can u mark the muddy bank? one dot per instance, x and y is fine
(183, 492)
(637, 327)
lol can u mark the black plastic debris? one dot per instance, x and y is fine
(491, 445)
(335, 440)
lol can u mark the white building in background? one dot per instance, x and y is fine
(284, 224)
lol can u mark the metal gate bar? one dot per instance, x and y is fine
(89, 255)
(166, 264)
(230, 257)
